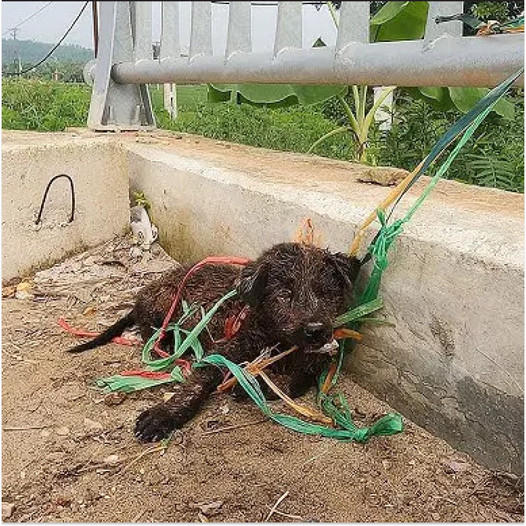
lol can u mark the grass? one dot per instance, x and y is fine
(495, 157)
(43, 105)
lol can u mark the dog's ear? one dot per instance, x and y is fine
(252, 281)
(347, 268)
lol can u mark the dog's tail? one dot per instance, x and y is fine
(105, 337)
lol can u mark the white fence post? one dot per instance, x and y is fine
(289, 30)
(170, 49)
(201, 30)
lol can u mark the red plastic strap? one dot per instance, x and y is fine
(225, 260)
(154, 375)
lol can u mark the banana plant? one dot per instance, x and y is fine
(359, 121)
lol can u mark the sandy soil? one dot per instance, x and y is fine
(69, 453)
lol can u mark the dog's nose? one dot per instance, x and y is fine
(314, 331)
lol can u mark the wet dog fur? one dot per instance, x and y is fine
(295, 291)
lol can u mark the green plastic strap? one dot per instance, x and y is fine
(129, 384)
(488, 101)
(191, 341)
(387, 234)
(388, 425)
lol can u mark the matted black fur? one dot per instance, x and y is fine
(295, 292)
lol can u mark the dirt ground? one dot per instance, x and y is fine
(69, 454)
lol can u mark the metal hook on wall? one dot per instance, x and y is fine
(53, 179)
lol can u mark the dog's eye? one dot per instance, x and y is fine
(285, 294)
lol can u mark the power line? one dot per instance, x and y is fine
(27, 19)
(53, 49)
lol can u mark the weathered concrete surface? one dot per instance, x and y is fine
(29, 161)
(454, 289)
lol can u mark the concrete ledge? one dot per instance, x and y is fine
(454, 289)
(29, 161)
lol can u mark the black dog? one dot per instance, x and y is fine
(294, 291)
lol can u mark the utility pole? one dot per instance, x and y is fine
(18, 62)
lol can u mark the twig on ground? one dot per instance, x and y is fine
(275, 507)
(152, 449)
(288, 515)
(25, 428)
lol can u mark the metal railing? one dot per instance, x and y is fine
(125, 62)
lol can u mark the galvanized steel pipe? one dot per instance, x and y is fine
(446, 61)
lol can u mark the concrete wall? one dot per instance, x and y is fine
(29, 161)
(454, 289)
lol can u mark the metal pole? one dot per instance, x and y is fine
(446, 61)
(95, 27)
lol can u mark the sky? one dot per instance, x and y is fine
(51, 23)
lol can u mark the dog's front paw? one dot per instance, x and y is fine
(155, 424)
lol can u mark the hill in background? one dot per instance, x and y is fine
(31, 52)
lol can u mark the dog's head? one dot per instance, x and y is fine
(298, 290)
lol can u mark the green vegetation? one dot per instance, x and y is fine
(43, 105)
(495, 158)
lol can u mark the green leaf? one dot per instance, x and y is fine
(388, 12)
(437, 97)
(399, 21)
(465, 98)
(273, 94)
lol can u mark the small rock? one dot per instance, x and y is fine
(225, 409)
(7, 292)
(453, 466)
(386, 464)
(45, 433)
(56, 456)
(435, 517)
(383, 175)
(89, 311)
(62, 431)
(112, 399)
(7, 510)
(208, 508)
(92, 425)
(135, 252)
(112, 460)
